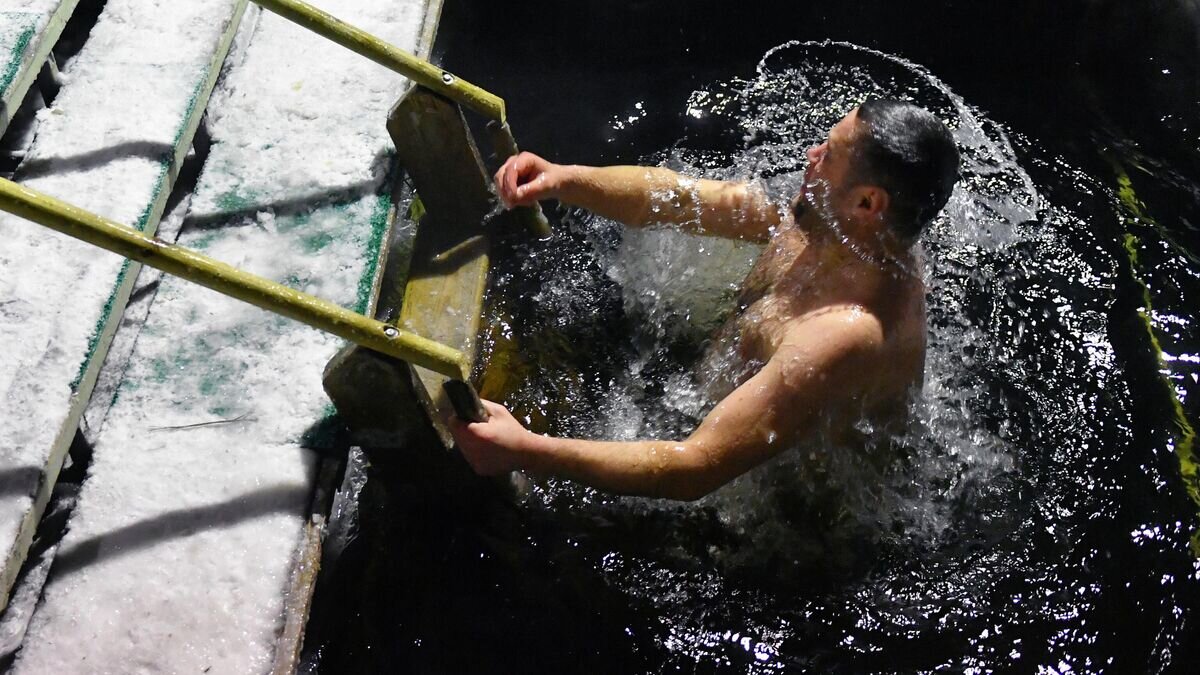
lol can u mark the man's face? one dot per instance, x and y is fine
(826, 179)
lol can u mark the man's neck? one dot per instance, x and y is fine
(854, 248)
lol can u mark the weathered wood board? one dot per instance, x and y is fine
(29, 29)
(199, 518)
(386, 401)
(63, 299)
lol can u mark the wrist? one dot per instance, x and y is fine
(532, 450)
(570, 178)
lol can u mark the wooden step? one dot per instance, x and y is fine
(389, 403)
(28, 31)
(112, 143)
(194, 541)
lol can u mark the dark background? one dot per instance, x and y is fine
(1103, 84)
(1107, 86)
(1065, 72)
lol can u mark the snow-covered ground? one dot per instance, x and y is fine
(21, 21)
(28, 29)
(108, 144)
(179, 551)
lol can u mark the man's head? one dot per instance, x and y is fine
(885, 162)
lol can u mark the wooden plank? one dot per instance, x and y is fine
(298, 600)
(90, 149)
(29, 29)
(295, 188)
(311, 551)
(442, 298)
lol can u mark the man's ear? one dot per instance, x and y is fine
(872, 201)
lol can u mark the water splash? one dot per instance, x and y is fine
(994, 509)
(678, 288)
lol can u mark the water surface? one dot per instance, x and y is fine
(1038, 518)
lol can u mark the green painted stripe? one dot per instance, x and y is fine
(380, 224)
(35, 35)
(1185, 433)
(102, 333)
(169, 167)
(118, 289)
(325, 432)
(16, 55)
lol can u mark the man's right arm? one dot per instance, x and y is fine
(640, 196)
(819, 374)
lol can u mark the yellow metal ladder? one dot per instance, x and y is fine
(274, 297)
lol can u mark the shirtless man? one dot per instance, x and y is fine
(833, 309)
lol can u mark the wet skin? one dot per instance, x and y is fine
(831, 322)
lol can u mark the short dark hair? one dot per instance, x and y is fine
(908, 152)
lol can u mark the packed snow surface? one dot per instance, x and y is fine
(180, 549)
(104, 145)
(20, 22)
(31, 6)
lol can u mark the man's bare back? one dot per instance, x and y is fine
(832, 316)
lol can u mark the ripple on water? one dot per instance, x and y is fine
(1000, 534)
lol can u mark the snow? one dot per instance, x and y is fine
(20, 21)
(180, 549)
(31, 6)
(93, 150)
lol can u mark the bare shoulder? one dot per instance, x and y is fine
(836, 332)
(849, 356)
(835, 345)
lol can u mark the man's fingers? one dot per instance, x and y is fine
(493, 408)
(503, 180)
(521, 180)
(514, 175)
(498, 179)
(510, 181)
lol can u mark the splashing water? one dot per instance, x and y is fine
(998, 527)
(677, 288)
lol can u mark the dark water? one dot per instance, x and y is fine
(1042, 521)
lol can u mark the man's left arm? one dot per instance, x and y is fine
(811, 374)
(640, 196)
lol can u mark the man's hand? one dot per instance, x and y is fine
(526, 179)
(494, 447)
